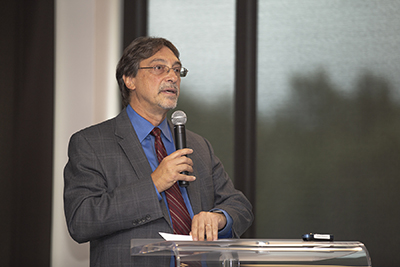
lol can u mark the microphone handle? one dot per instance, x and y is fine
(184, 183)
(180, 142)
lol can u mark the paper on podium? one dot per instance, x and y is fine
(173, 237)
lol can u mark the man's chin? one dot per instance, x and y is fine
(168, 106)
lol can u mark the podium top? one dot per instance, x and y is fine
(257, 251)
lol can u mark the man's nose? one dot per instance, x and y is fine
(171, 75)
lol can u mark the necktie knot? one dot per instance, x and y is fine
(156, 132)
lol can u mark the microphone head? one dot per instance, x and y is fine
(179, 118)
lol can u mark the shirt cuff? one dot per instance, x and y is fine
(225, 232)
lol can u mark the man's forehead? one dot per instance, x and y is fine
(164, 61)
(163, 52)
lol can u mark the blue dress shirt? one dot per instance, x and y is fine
(143, 129)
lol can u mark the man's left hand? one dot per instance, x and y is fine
(205, 225)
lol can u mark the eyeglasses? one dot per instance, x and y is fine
(161, 69)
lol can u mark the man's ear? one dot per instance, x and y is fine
(129, 82)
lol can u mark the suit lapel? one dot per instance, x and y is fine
(130, 144)
(194, 195)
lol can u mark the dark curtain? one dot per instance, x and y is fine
(26, 131)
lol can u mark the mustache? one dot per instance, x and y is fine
(168, 86)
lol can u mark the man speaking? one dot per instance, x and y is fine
(122, 176)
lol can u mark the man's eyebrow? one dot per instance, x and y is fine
(164, 61)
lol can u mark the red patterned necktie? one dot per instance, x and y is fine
(179, 214)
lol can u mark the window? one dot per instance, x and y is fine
(328, 120)
(203, 31)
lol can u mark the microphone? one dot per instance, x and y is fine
(179, 119)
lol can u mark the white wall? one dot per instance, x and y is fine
(88, 44)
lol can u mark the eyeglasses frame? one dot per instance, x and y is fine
(183, 71)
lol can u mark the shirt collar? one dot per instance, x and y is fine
(143, 127)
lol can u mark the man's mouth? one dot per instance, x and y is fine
(169, 89)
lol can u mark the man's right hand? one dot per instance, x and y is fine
(170, 168)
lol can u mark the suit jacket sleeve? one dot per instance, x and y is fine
(108, 187)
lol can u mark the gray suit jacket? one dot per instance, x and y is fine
(109, 196)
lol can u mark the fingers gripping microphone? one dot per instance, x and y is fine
(179, 119)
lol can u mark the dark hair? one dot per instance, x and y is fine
(141, 48)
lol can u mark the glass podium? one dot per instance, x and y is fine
(254, 252)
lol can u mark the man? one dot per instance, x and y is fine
(120, 173)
